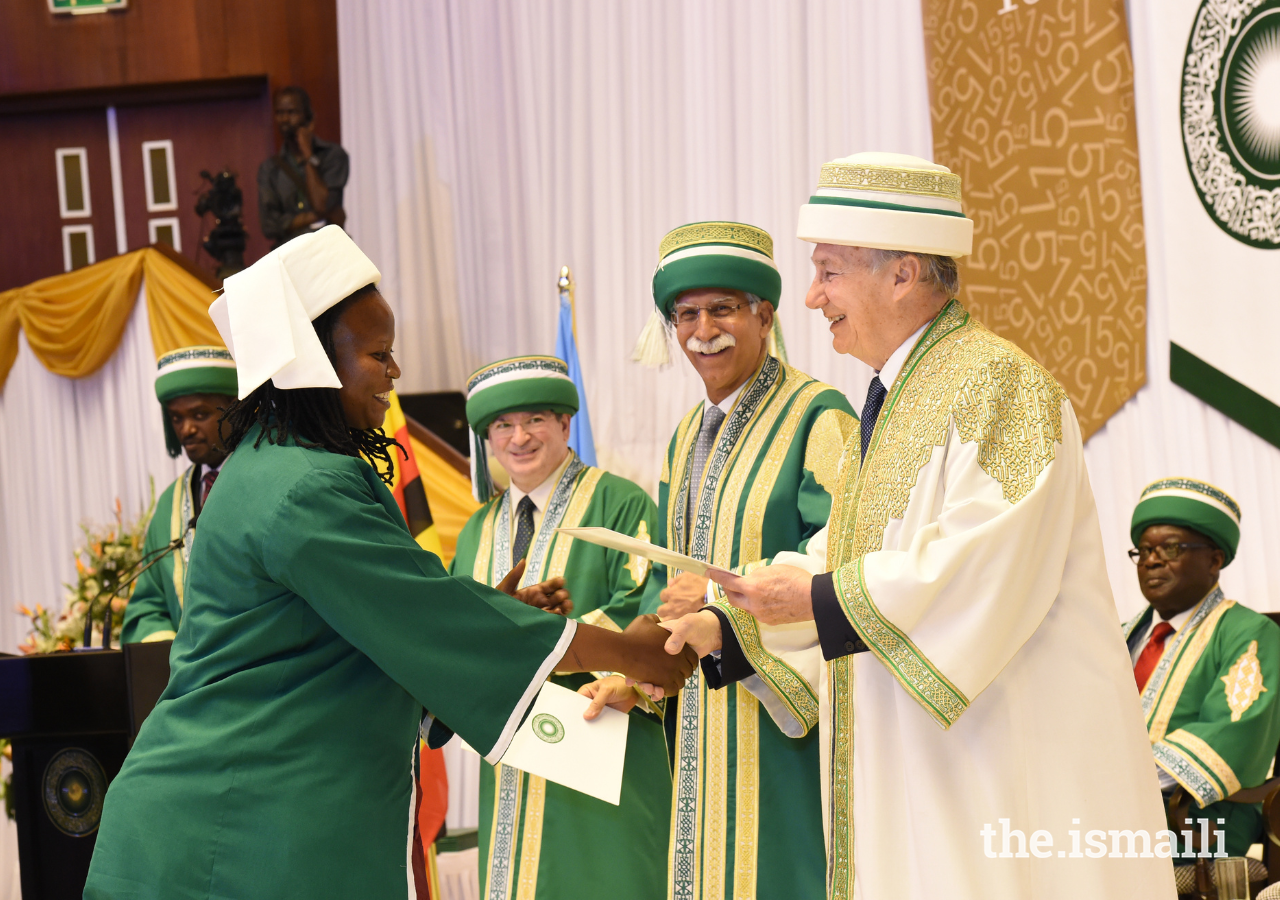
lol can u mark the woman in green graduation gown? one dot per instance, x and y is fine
(278, 762)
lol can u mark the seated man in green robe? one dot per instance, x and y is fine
(194, 385)
(534, 832)
(1206, 666)
(279, 760)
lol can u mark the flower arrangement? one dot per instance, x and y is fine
(108, 557)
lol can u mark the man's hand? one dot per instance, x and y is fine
(687, 594)
(305, 135)
(302, 220)
(651, 663)
(613, 692)
(776, 595)
(701, 631)
(549, 595)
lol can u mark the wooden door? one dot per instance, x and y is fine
(34, 242)
(211, 135)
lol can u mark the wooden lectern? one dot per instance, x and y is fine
(72, 718)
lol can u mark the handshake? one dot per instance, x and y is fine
(656, 654)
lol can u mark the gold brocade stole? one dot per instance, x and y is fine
(521, 798)
(182, 510)
(994, 396)
(697, 859)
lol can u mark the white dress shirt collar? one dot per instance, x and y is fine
(897, 359)
(1177, 622)
(726, 405)
(541, 495)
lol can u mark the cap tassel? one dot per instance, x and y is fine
(481, 480)
(777, 346)
(651, 349)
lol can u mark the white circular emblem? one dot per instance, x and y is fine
(1231, 116)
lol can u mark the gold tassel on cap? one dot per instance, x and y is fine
(651, 350)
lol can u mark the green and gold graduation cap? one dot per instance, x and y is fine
(730, 255)
(518, 384)
(192, 370)
(1191, 504)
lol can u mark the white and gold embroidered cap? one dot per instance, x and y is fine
(887, 201)
(265, 312)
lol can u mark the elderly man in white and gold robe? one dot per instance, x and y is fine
(990, 744)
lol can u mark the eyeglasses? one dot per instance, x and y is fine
(1164, 552)
(688, 315)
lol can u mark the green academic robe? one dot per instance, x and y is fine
(537, 838)
(747, 814)
(155, 608)
(279, 759)
(1213, 712)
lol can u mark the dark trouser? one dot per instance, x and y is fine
(1243, 824)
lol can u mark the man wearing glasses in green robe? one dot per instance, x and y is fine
(1205, 665)
(538, 838)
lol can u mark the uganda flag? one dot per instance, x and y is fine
(406, 482)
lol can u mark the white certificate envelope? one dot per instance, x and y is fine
(616, 540)
(557, 743)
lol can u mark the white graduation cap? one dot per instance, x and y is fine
(265, 312)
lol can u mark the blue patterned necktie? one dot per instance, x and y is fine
(524, 529)
(712, 416)
(871, 412)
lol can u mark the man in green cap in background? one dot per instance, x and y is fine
(746, 475)
(537, 835)
(194, 385)
(1205, 665)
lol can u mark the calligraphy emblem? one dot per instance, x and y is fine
(1231, 116)
(548, 728)
(1244, 682)
(74, 786)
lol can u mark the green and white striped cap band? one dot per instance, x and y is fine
(195, 370)
(729, 255)
(192, 370)
(519, 384)
(1190, 504)
(888, 201)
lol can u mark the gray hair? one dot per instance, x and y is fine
(939, 272)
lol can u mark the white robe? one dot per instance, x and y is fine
(998, 686)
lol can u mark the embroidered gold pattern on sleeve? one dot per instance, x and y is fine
(826, 443)
(1244, 682)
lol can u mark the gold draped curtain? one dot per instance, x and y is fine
(74, 322)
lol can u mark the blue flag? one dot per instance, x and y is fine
(581, 440)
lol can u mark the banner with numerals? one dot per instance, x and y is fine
(1208, 95)
(1032, 103)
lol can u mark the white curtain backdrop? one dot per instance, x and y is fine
(68, 449)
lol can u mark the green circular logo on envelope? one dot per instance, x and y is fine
(1231, 116)
(548, 728)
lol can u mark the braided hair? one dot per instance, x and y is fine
(310, 416)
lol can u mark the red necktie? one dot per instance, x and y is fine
(1151, 653)
(205, 484)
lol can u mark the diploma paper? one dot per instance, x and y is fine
(555, 742)
(616, 540)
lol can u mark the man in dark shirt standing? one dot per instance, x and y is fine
(300, 188)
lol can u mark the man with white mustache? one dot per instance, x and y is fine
(746, 476)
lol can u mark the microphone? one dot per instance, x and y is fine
(160, 554)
